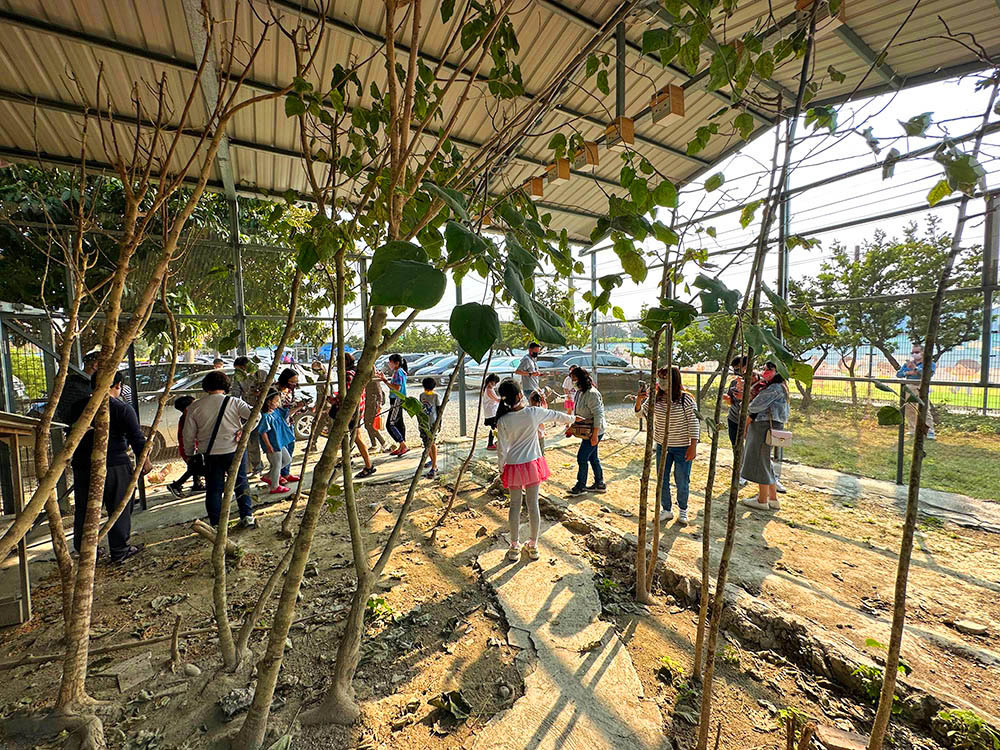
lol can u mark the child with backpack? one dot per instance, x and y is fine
(431, 405)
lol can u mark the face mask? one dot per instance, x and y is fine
(768, 375)
(663, 383)
(917, 356)
(533, 355)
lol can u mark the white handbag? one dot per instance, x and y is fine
(778, 438)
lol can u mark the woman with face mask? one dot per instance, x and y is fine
(768, 410)
(680, 437)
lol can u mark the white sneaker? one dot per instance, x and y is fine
(752, 502)
(743, 482)
(774, 504)
(248, 522)
(682, 517)
(666, 515)
(780, 487)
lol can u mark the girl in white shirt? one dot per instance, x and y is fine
(490, 403)
(569, 390)
(522, 465)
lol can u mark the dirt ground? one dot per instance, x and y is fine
(434, 627)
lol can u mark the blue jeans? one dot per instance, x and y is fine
(216, 468)
(587, 454)
(682, 476)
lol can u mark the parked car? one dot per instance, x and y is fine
(441, 371)
(503, 366)
(425, 363)
(615, 376)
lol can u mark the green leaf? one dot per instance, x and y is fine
(834, 6)
(668, 53)
(779, 303)
(889, 165)
(665, 194)
(617, 313)
(871, 140)
(558, 144)
(748, 213)
(447, 9)
(308, 254)
(714, 182)
(393, 251)
(689, 56)
(476, 327)
(538, 323)
(472, 31)
(681, 314)
(626, 176)
(713, 292)
(294, 106)
(835, 75)
(462, 243)
(408, 282)
(765, 65)
(890, 415)
(665, 234)
(511, 215)
(711, 232)
(963, 172)
(882, 386)
(631, 260)
(602, 82)
(743, 122)
(802, 372)
(592, 65)
(230, 341)
(654, 39)
(938, 193)
(917, 126)
(822, 117)
(453, 198)
(284, 743)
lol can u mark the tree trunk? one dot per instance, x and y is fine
(72, 690)
(647, 459)
(661, 469)
(884, 712)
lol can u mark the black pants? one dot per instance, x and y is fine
(734, 431)
(198, 481)
(396, 426)
(217, 467)
(115, 485)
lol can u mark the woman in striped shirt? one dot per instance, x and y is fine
(681, 438)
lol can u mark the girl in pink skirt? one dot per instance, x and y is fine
(522, 464)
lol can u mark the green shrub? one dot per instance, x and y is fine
(965, 730)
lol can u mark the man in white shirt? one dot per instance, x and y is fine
(528, 370)
(199, 424)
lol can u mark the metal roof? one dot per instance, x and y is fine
(45, 45)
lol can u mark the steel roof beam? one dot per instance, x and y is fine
(858, 46)
(74, 109)
(209, 85)
(572, 15)
(68, 162)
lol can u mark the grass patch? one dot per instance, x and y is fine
(837, 436)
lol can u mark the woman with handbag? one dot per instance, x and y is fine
(522, 465)
(768, 413)
(680, 437)
(588, 407)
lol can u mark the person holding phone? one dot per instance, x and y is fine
(913, 369)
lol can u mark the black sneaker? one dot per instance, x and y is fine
(598, 488)
(198, 487)
(577, 491)
(365, 472)
(131, 551)
(430, 474)
(175, 490)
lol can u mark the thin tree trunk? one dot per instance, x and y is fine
(72, 689)
(706, 533)
(884, 712)
(661, 469)
(641, 594)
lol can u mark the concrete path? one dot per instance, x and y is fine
(583, 691)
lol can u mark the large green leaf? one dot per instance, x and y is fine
(890, 415)
(631, 259)
(454, 199)
(801, 371)
(714, 182)
(408, 283)
(476, 327)
(665, 194)
(391, 252)
(462, 243)
(748, 213)
(681, 314)
(779, 303)
(713, 292)
(654, 39)
(938, 193)
(536, 319)
(917, 126)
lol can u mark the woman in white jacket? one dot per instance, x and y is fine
(522, 464)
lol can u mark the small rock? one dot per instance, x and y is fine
(288, 644)
(192, 670)
(767, 706)
(481, 532)
(312, 569)
(504, 691)
(838, 575)
(605, 509)
(577, 526)
(838, 739)
(971, 627)
(236, 702)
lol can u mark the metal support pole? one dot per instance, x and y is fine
(462, 427)
(135, 405)
(593, 317)
(234, 240)
(620, 70)
(784, 225)
(991, 253)
(9, 403)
